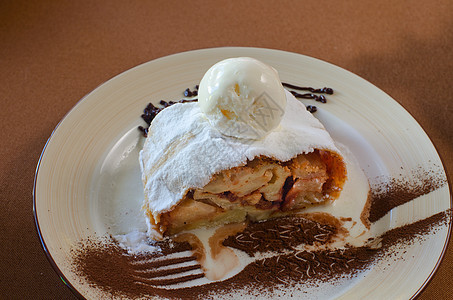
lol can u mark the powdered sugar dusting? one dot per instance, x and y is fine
(136, 242)
(184, 151)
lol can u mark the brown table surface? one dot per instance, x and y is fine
(52, 53)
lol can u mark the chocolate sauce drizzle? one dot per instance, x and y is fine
(324, 90)
(311, 95)
(151, 111)
(319, 98)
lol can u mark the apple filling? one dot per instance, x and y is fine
(261, 189)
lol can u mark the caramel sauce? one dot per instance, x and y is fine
(221, 259)
(197, 246)
(365, 215)
(327, 219)
(215, 241)
(224, 259)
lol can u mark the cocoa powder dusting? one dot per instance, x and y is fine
(280, 234)
(405, 235)
(395, 192)
(110, 269)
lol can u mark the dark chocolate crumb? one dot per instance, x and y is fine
(312, 108)
(188, 93)
(151, 111)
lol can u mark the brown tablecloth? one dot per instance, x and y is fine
(52, 53)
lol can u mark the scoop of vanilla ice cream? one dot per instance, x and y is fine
(242, 97)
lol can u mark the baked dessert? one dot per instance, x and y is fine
(247, 150)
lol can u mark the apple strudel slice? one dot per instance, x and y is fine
(195, 176)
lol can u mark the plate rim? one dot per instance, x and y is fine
(34, 194)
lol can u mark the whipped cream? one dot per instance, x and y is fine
(183, 151)
(242, 97)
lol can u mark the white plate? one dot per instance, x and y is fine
(88, 176)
